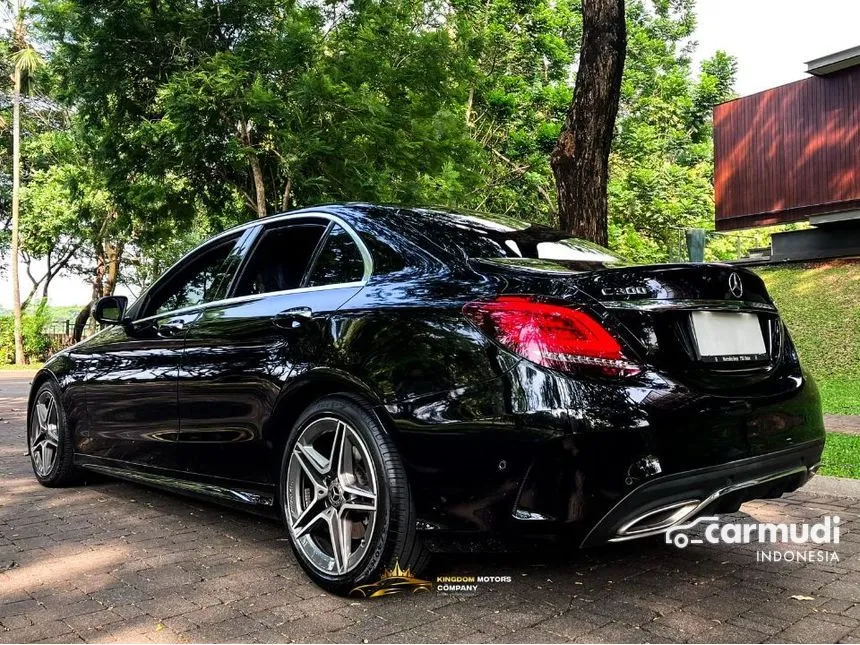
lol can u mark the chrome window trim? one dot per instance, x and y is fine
(263, 224)
(248, 298)
(266, 221)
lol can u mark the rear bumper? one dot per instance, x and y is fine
(661, 504)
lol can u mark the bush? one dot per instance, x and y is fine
(37, 344)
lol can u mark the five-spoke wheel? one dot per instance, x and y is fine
(344, 496)
(48, 438)
(331, 495)
(44, 433)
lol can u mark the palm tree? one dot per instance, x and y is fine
(25, 60)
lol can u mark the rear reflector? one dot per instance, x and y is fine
(551, 335)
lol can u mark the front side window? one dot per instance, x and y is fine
(205, 279)
(281, 258)
(339, 262)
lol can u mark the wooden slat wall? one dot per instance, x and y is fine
(787, 153)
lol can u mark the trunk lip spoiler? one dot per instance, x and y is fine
(653, 304)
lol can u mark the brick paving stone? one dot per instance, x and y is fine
(728, 633)
(615, 633)
(571, 626)
(116, 562)
(97, 620)
(813, 630)
(683, 623)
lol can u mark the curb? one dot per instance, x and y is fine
(838, 486)
(16, 375)
(842, 423)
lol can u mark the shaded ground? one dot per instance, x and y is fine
(117, 562)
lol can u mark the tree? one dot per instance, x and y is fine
(518, 57)
(25, 60)
(188, 117)
(267, 103)
(661, 165)
(580, 159)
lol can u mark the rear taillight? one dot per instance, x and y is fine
(552, 335)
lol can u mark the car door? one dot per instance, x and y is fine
(132, 370)
(240, 353)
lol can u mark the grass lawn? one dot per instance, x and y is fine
(841, 456)
(820, 304)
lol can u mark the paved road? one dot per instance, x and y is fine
(117, 562)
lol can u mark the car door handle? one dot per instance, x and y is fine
(293, 318)
(171, 328)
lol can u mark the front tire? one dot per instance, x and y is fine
(49, 439)
(344, 497)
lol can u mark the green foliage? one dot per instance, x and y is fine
(519, 57)
(186, 117)
(841, 456)
(819, 304)
(662, 167)
(37, 345)
(331, 101)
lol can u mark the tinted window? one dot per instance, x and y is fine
(280, 259)
(204, 280)
(339, 261)
(494, 237)
(386, 259)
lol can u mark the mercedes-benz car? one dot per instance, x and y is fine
(372, 374)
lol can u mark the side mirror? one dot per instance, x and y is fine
(110, 309)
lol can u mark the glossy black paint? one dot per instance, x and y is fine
(491, 441)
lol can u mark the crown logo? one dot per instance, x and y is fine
(397, 572)
(394, 580)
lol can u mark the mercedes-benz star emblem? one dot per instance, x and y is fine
(735, 285)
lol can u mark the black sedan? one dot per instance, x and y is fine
(371, 374)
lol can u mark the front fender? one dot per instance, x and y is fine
(60, 368)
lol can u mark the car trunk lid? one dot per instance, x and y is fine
(672, 317)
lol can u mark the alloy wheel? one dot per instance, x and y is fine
(331, 495)
(44, 433)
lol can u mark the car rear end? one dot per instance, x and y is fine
(680, 385)
(733, 416)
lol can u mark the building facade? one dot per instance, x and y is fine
(792, 154)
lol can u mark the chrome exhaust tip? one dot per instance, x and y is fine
(658, 520)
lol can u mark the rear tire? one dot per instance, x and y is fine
(49, 439)
(342, 482)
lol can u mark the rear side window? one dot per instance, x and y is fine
(493, 237)
(339, 262)
(280, 260)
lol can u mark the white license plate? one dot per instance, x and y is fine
(728, 336)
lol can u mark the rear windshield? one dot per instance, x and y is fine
(493, 237)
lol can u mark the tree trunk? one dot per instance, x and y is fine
(244, 128)
(81, 322)
(285, 199)
(580, 159)
(259, 186)
(113, 254)
(16, 201)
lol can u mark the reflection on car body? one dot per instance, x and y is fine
(363, 370)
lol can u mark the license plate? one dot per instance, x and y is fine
(728, 336)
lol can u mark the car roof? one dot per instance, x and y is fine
(356, 212)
